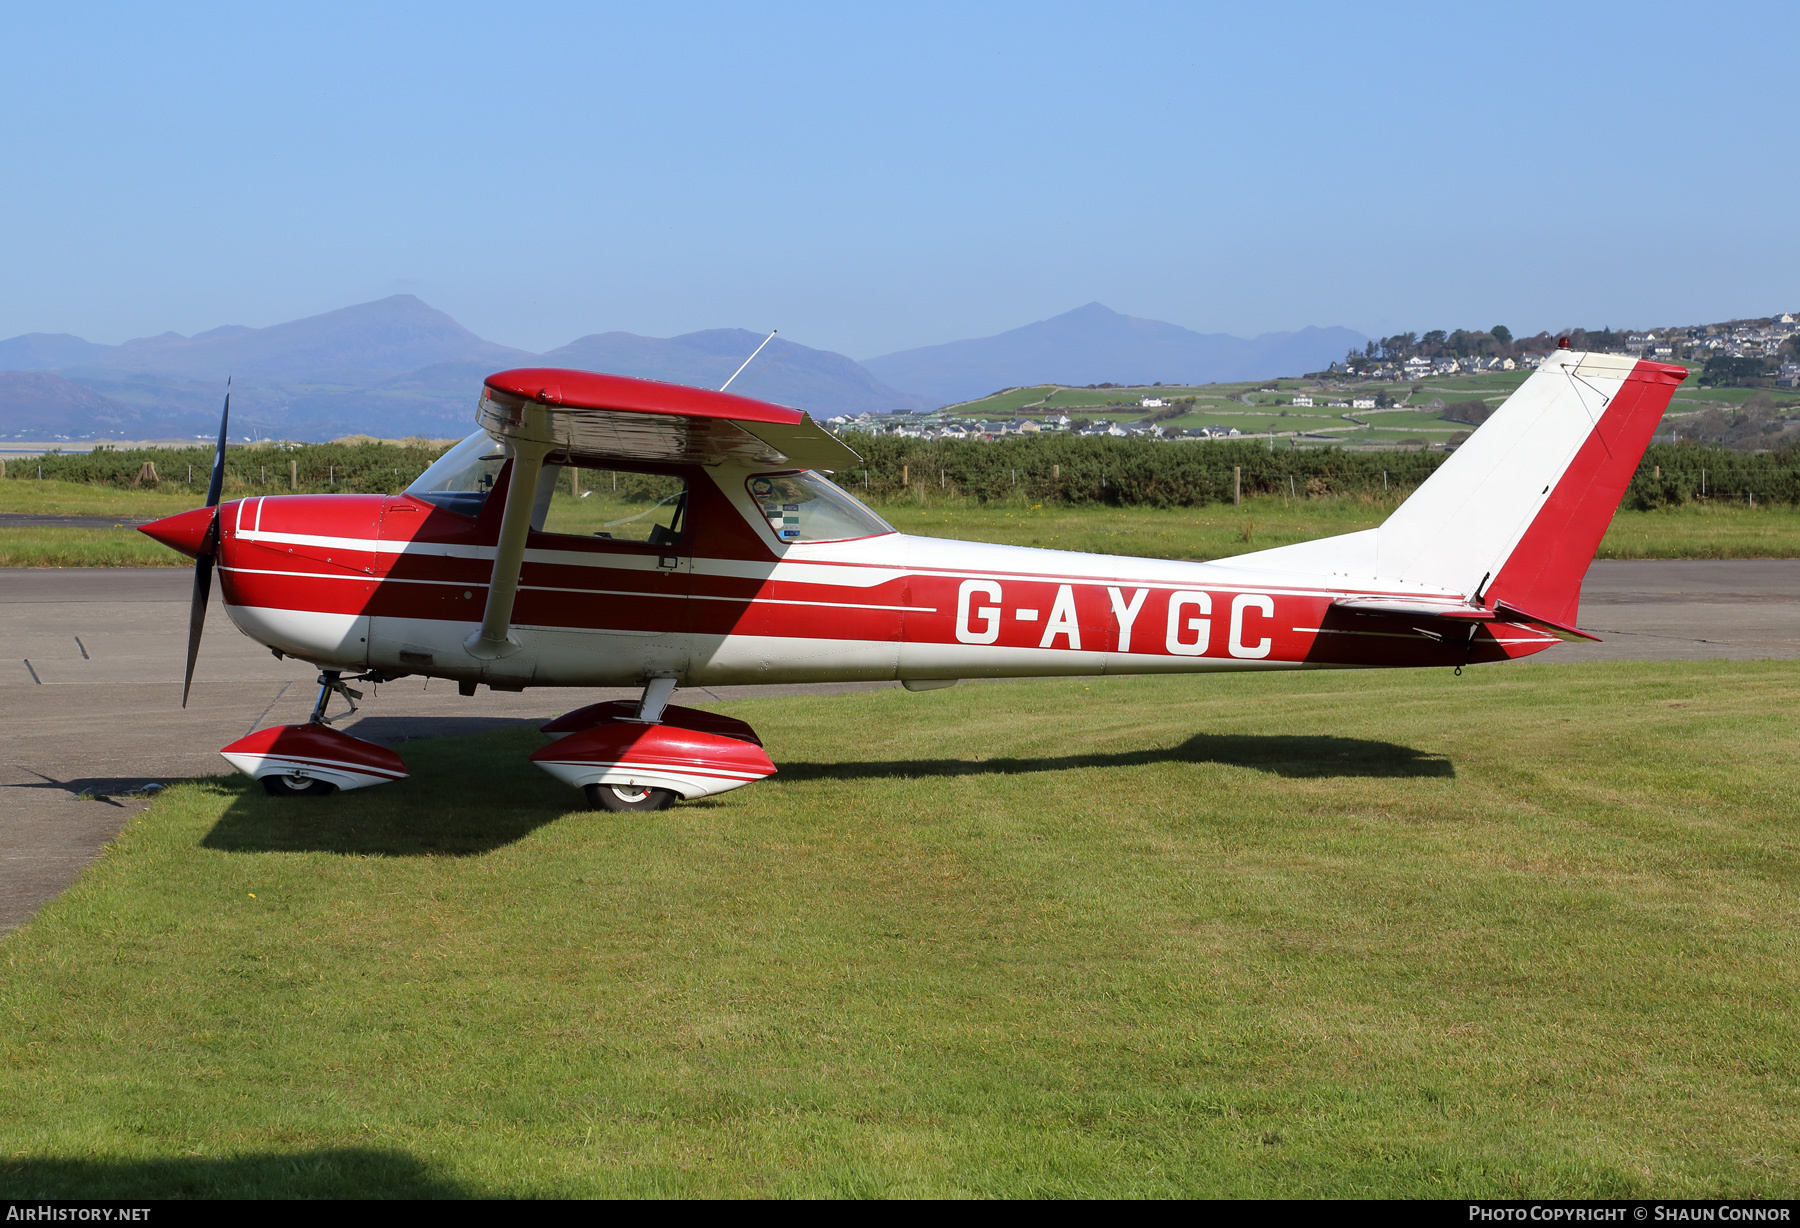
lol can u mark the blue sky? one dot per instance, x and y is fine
(870, 178)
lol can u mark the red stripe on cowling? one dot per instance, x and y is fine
(1544, 571)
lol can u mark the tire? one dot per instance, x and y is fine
(619, 798)
(283, 785)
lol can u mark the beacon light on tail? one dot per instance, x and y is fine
(723, 554)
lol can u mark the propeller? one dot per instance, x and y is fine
(203, 562)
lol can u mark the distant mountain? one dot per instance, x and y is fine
(1094, 344)
(57, 407)
(349, 345)
(786, 372)
(46, 352)
(393, 367)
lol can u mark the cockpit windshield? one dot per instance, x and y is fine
(461, 478)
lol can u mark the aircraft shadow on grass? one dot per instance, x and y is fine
(459, 805)
(340, 1173)
(1296, 757)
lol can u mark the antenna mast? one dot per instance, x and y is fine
(749, 360)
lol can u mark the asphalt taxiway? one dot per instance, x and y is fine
(90, 689)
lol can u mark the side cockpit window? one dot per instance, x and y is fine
(621, 505)
(806, 507)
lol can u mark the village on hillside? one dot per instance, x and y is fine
(1455, 380)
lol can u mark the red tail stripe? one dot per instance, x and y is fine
(1544, 571)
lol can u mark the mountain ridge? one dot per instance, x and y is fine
(398, 366)
(1094, 344)
(394, 366)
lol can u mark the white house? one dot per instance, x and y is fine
(1152, 402)
(1362, 402)
(1303, 400)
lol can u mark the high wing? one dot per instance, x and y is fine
(585, 418)
(590, 417)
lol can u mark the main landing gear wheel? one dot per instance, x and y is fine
(284, 785)
(627, 797)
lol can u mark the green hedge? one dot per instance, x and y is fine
(1044, 469)
(358, 468)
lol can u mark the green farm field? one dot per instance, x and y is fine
(1529, 932)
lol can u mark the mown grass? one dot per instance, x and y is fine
(1692, 531)
(32, 546)
(54, 498)
(1527, 932)
(1711, 530)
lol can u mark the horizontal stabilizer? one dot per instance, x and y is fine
(1501, 612)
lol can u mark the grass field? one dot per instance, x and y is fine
(1526, 932)
(1218, 400)
(1692, 531)
(1701, 531)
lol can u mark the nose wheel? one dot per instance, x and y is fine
(285, 784)
(627, 797)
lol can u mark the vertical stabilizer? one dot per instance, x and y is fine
(1517, 512)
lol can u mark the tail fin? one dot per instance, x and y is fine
(1516, 514)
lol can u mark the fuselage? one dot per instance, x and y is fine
(398, 584)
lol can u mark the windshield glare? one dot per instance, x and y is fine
(460, 479)
(807, 507)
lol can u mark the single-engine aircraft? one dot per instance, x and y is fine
(712, 548)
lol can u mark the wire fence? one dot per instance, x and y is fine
(1055, 469)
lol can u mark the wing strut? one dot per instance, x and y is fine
(530, 445)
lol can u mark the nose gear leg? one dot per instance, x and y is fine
(656, 697)
(331, 681)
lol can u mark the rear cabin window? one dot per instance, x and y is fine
(806, 507)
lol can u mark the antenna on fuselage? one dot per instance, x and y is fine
(749, 360)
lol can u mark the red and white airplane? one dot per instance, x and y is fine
(750, 566)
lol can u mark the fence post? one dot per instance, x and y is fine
(575, 481)
(1056, 473)
(1237, 485)
(1384, 479)
(293, 474)
(1292, 494)
(903, 480)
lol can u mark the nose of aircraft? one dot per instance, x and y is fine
(185, 531)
